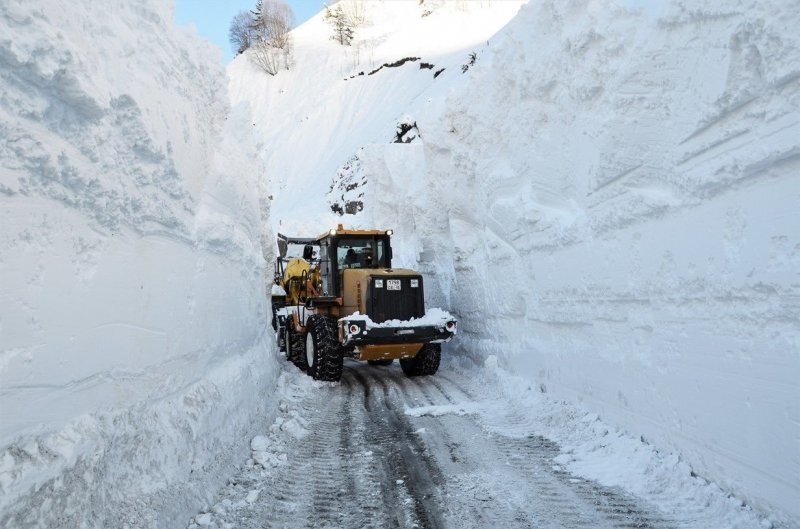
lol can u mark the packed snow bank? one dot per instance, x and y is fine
(132, 302)
(611, 207)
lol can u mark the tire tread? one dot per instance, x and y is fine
(328, 360)
(425, 363)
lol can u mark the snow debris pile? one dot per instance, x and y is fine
(269, 452)
(605, 198)
(288, 423)
(132, 298)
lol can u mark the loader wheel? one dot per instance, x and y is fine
(294, 347)
(425, 363)
(323, 356)
(380, 362)
(280, 337)
(275, 306)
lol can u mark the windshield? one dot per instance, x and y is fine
(361, 252)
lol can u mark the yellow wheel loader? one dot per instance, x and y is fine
(338, 296)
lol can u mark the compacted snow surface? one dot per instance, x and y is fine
(605, 198)
(469, 447)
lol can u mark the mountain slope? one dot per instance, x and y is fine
(314, 117)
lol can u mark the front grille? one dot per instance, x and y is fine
(385, 304)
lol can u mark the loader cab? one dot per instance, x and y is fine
(327, 257)
(352, 250)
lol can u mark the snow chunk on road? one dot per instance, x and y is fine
(203, 520)
(259, 444)
(464, 408)
(269, 459)
(252, 496)
(263, 455)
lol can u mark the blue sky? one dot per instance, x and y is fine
(213, 17)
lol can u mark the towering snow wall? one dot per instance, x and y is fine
(132, 307)
(612, 206)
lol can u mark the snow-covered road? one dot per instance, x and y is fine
(383, 450)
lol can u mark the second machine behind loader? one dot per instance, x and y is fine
(340, 297)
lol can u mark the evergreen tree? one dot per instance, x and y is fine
(343, 31)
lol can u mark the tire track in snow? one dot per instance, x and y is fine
(367, 463)
(405, 458)
(563, 505)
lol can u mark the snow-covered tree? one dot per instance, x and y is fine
(343, 27)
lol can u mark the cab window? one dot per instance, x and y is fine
(360, 253)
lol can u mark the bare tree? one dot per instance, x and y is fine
(272, 21)
(240, 33)
(354, 11)
(271, 24)
(265, 57)
(288, 53)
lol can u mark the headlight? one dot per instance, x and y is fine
(354, 329)
(389, 232)
(333, 231)
(450, 325)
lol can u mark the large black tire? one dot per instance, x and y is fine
(380, 362)
(295, 350)
(275, 306)
(425, 363)
(280, 337)
(322, 352)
